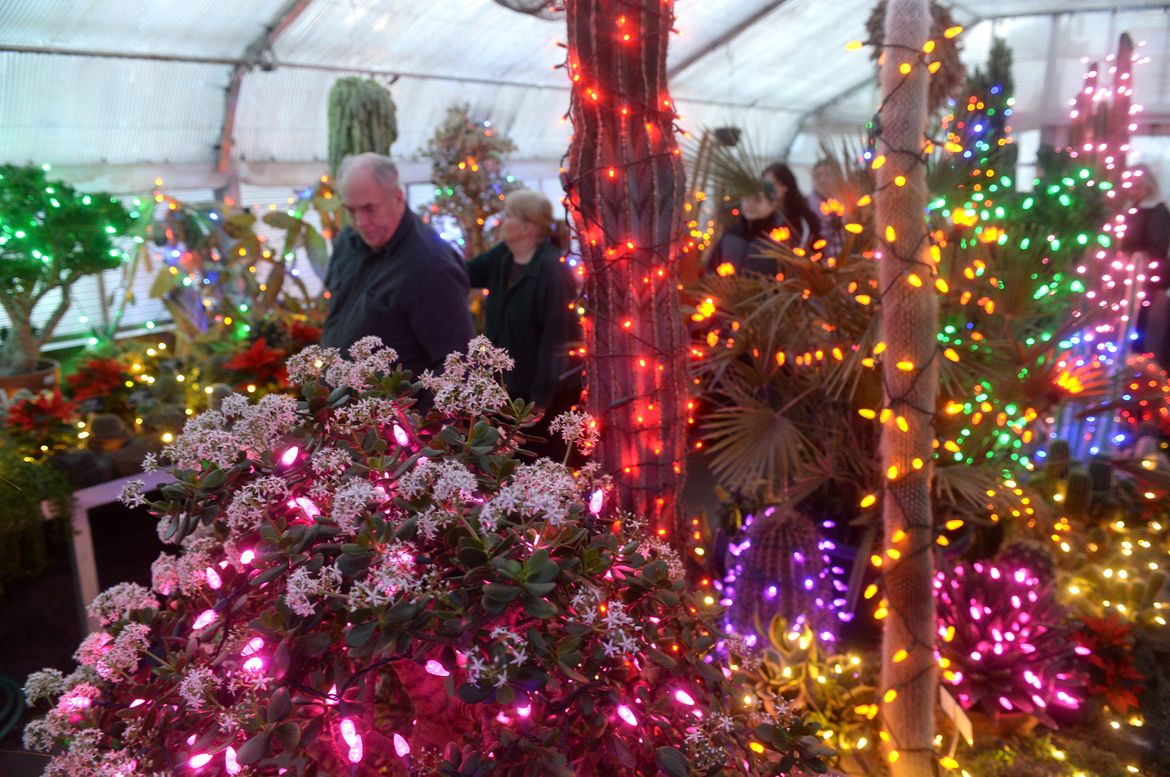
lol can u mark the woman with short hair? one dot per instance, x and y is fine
(528, 306)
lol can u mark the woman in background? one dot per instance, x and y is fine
(528, 305)
(795, 213)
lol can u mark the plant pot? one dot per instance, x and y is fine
(46, 375)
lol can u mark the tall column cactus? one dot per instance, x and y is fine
(625, 184)
(909, 318)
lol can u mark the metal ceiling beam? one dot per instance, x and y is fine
(258, 52)
(739, 29)
(373, 72)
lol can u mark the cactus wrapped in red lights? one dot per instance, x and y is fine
(625, 187)
(364, 591)
(1006, 644)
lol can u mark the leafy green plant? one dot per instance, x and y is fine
(29, 492)
(837, 692)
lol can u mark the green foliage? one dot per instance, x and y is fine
(28, 491)
(51, 236)
(839, 693)
(467, 168)
(362, 117)
(1044, 756)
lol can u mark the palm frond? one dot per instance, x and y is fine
(753, 447)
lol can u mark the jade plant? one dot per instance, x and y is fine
(360, 590)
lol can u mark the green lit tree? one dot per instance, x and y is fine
(51, 236)
(981, 124)
(467, 167)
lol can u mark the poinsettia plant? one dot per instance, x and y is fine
(363, 590)
(1111, 671)
(258, 364)
(40, 423)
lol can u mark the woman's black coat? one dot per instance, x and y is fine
(532, 319)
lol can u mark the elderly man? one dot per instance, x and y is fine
(391, 275)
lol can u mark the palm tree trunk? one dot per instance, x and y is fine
(625, 184)
(910, 324)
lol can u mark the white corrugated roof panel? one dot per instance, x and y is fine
(191, 27)
(79, 110)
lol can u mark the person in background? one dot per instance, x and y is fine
(795, 214)
(1147, 231)
(391, 275)
(748, 244)
(528, 308)
(821, 200)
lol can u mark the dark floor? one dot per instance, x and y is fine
(40, 623)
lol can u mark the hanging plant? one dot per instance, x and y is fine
(362, 117)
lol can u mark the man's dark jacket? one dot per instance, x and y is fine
(411, 292)
(532, 319)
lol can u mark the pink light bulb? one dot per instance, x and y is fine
(137, 703)
(682, 697)
(230, 762)
(309, 506)
(353, 739)
(596, 499)
(435, 668)
(254, 664)
(206, 617)
(200, 760)
(289, 456)
(626, 714)
(213, 579)
(401, 746)
(524, 711)
(247, 557)
(400, 436)
(254, 646)
(348, 731)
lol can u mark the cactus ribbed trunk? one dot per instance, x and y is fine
(909, 317)
(625, 183)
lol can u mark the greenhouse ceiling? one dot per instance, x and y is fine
(211, 87)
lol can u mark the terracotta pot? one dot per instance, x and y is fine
(45, 376)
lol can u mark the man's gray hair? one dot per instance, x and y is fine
(383, 169)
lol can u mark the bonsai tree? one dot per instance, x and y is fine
(51, 236)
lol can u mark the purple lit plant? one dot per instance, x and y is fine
(1006, 646)
(779, 567)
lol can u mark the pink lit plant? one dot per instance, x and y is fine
(361, 590)
(1006, 645)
